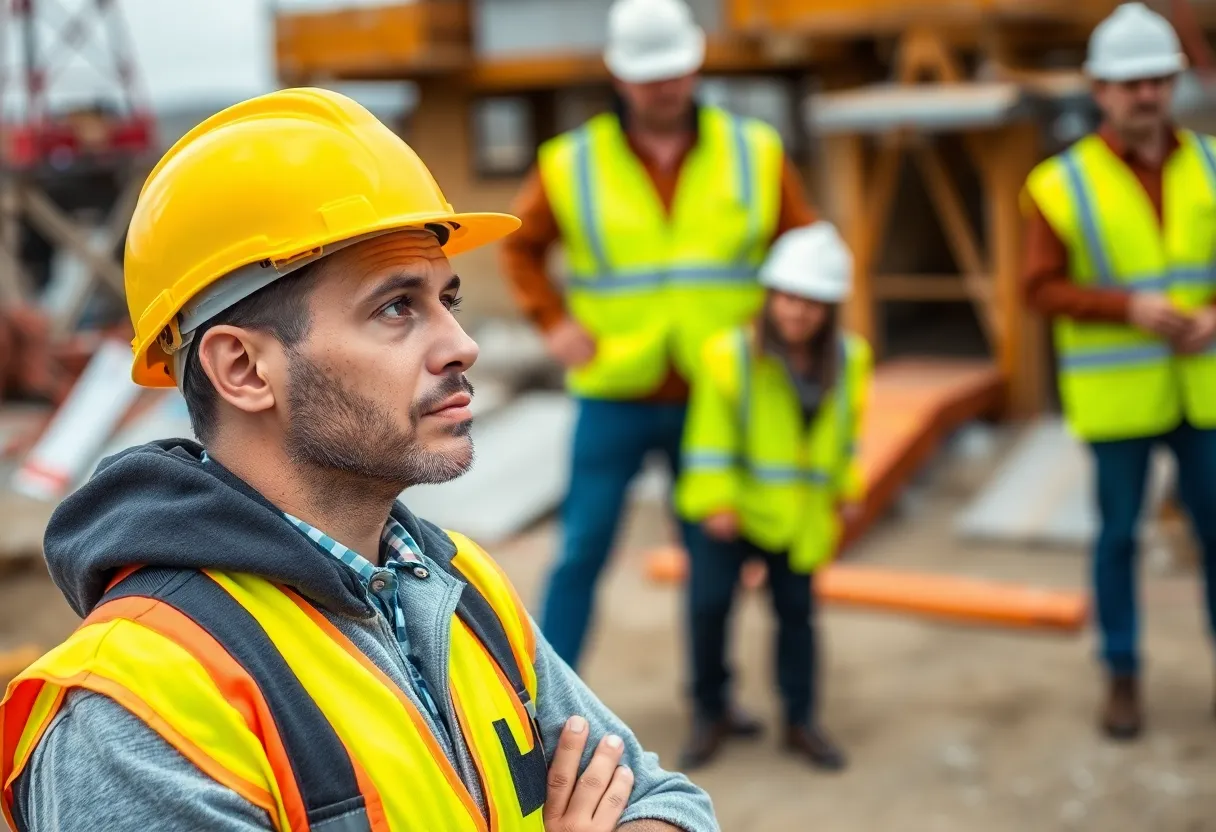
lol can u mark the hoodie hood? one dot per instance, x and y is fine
(160, 505)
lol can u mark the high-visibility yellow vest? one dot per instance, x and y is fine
(651, 288)
(1116, 381)
(255, 687)
(747, 447)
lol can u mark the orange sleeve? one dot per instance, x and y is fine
(1046, 285)
(523, 255)
(796, 210)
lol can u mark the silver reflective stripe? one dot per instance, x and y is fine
(355, 821)
(1115, 357)
(1089, 225)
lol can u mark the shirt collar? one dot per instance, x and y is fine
(1115, 142)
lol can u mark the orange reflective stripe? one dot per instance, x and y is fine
(15, 713)
(233, 681)
(122, 574)
(98, 684)
(440, 759)
(486, 786)
(376, 818)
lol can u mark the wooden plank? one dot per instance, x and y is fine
(956, 599)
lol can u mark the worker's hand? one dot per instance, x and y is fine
(1201, 334)
(1156, 314)
(595, 801)
(851, 513)
(570, 344)
(723, 525)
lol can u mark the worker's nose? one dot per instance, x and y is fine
(453, 349)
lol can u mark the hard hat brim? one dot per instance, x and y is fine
(1136, 69)
(676, 62)
(151, 367)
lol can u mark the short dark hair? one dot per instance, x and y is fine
(280, 308)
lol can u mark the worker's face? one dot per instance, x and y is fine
(660, 106)
(1136, 108)
(797, 320)
(377, 389)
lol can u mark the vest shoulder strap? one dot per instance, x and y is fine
(490, 607)
(323, 770)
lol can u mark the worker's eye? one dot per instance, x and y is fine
(453, 303)
(399, 308)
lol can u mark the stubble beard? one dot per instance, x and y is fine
(336, 431)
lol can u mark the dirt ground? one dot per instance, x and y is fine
(948, 728)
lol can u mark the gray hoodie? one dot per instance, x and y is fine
(99, 767)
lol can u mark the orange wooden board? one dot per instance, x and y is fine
(961, 600)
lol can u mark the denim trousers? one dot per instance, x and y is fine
(1122, 469)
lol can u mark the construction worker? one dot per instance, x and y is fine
(770, 465)
(1119, 254)
(270, 639)
(664, 209)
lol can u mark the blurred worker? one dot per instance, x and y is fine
(1119, 253)
(664, 209)
(770, 463)
(271, 640)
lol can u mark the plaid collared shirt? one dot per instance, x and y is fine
(401, 553)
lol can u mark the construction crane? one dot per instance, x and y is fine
(75, 136)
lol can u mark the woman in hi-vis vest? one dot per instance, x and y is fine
(770, 471)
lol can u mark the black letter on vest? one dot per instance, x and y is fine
(529, 772)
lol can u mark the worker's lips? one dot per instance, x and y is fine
(454, 408)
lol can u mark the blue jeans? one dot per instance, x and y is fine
(611, 439)
(1122, 474)
(713, 577)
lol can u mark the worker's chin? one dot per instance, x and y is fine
(443, 459)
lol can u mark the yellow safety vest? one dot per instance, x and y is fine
(1116, 381)
(651, 288)
(747, 449)
(254, 686)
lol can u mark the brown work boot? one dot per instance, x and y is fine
(743, 724)
(1121, 718)
(707, 738)
(815, 746)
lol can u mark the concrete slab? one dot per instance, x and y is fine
(1042, 495)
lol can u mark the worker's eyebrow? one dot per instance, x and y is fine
(396, 283)
(453, 284)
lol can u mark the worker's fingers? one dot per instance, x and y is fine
(615, 799)
(563, 771)
(594, 780)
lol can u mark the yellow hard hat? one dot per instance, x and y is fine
(259, 190)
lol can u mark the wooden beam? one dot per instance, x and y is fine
(58, 226)
(961, 238)
(920, 287)
(923, 50)
(848, 187)
(1011, 154)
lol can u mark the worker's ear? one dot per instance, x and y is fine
(241, 365)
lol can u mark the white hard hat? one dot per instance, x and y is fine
(652, 40)
(1134, 42)
(812, 262)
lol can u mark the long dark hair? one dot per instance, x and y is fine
(820, 351)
